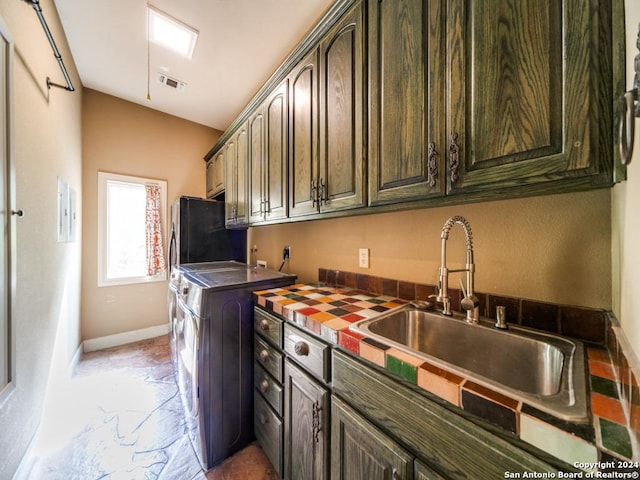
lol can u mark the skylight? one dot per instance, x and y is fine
(170, 33)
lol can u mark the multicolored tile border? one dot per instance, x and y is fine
(328, 311)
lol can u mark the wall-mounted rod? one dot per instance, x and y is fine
(69, 87)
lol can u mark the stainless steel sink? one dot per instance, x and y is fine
(542, 370)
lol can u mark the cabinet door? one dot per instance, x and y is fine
(236, 155)
(303, 136)
(306, 422)
(526, 97)
(359, 451)
(275, 181)
(241, 178)
(342, 180)
(407, 148)
(215, 174)
(256, 166)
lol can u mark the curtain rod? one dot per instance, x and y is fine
(69, 87)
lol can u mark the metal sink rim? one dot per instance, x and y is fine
(569, 404)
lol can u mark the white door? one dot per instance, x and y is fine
(6, 212)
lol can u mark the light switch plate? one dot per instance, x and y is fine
(363, 256)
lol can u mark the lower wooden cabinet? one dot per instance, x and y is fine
(360, 451)
(306, 422)
(268, 428)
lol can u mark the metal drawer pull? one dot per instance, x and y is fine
(264, 386)
(394, 474)
(301, 348)
(263, 418)
(264, 355)
(264, 325)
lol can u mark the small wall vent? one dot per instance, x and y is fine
(171, 82)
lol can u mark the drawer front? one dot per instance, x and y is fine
(269, 358)
(268, 326)
(309, 352)
(270, 389)
(269, 432)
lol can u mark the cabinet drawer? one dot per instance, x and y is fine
(268, 326)
(309, 352)
(268, 357)
(270, 389)
(269, 432)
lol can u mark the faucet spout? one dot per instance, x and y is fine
(470, 302)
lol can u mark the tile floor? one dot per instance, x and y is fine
(122, 420)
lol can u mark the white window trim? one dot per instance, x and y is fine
(103, 178)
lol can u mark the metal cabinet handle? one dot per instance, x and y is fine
(264, 325)
(432, 165)
(264, 386)
(454, 157)
(394, 474)
(19, 213)
(263, 418)
(264, 355)
(301, 348)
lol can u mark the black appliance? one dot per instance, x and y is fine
(211, 319)
(198, 233)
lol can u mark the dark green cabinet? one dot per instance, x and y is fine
(407, 147)
(342, 182)
(306, 421)
(268, 158)
(303, 137)
(256, 166)
(529, 93)
(236, 158)
(327, 118)
(360, 451)
(450, 443)
(389, 105)
(215, 175)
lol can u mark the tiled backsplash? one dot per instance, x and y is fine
(589, 325)
(615, 391)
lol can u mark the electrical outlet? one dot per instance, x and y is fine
(262, 263)
(363, 256)
(286, 252)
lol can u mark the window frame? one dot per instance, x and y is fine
(103, 179)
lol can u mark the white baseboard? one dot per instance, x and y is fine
(100, 343)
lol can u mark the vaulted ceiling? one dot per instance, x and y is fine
(240, 45)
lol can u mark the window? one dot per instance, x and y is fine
(132, 214)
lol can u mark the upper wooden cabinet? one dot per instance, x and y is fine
(392, 104)
(327, 118)
(236, 158)
(215, 175)
(342, 183)
(407, 147)
(529, 93)
(303, 136)
(268, 135)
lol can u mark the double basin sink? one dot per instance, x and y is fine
(542, 370)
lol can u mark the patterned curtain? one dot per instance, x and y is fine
(155, 251)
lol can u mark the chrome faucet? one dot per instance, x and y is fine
(470, 302)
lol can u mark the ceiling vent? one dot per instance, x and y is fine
(171, 82)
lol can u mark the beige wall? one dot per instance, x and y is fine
(46, 145)
(625, 220)
(126, 138)
(553, 248)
